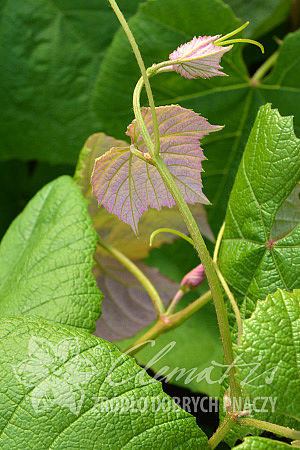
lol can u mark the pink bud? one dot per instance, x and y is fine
(200, 58)
(194, 278)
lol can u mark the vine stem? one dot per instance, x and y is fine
(166, 323)
(132, 268)
(233, 304)
(141, 64)
(221, 432)
(210, 272)
(264, 68)
(289, 433)
(168, 180)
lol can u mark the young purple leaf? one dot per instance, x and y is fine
(200, 58)
(127, 186)
(194, 278)
(127, 308)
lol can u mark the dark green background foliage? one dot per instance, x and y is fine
(56, 89)
(67, 71)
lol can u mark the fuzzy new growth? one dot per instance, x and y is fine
(200, 58)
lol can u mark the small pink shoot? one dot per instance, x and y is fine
(194, 278)
(201, 56)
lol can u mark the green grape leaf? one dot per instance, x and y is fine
(252, 262)
(46, 259)
(109, 227)
(268, 359)
(51, 52)
(259, 443)
(263, 16)
(232, 101)
(63, 388)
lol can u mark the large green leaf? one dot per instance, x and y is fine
(268, 359)
(62, 388)
(50, 55)
(46, 259)
(253, 263)
(232, 100)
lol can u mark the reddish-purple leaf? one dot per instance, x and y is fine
(127, 186)
(118, 233)
(127, 308)
(200, 58)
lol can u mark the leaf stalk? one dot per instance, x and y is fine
(264, 68)
(289, 433)
(132, 268)
(221, 432)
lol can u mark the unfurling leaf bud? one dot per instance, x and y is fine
(199, 57)
(194, 278)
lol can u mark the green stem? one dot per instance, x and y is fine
(181, 316)
(221, 432)
(139, 118)
(141, 64)
(210, 272)
(264, 68)
(232, 33)
(132, 268)
(140, 155)
(166, 323)
(185, 212)
(289, 433)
